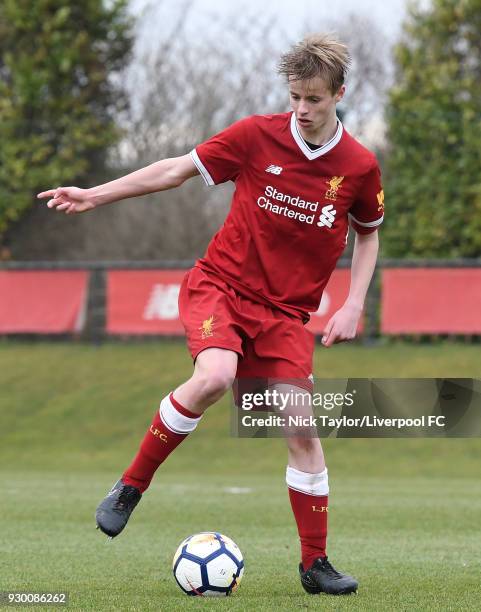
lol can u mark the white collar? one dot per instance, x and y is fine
(308, 152)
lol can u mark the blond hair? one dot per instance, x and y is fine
(321, 55)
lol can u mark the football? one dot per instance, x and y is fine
(208, 564)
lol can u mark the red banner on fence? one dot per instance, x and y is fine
(431, 301)
(42, 301)
(145, 301)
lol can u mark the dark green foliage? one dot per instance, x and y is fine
(57, 95)
(433, 184)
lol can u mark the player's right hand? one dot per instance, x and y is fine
(69, 199)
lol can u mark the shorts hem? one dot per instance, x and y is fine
(305, 384)
(225, 346)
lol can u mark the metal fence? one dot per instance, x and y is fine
(95, 326)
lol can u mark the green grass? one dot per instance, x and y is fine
(404, 514)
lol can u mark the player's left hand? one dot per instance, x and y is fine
(342, 326)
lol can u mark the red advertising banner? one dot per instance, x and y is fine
(145, 301)
(431, 301)
(42, 301)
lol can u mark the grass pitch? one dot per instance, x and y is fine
(404, 514)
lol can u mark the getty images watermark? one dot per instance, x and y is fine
(360, 408)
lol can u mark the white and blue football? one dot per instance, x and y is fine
(208, 564)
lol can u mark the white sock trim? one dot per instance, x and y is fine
(312, 484)
(173, 420)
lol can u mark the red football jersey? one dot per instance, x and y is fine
(288, 221)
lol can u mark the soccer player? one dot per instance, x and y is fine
(300, 180)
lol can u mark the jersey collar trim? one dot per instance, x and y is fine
(301, 143)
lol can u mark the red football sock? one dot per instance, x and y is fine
(159, 441)
(310, 512)
(309, 494)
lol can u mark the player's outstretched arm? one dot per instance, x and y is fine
(343, 324)
(161, 175)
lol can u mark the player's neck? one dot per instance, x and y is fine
(321, 135)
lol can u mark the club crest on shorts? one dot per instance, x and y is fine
(207, 327)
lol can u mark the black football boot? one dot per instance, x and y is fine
(114, 511)
(323, 578)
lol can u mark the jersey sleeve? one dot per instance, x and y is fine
(222, 157)
(367, 212)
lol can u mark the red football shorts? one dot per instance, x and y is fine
(271, 344)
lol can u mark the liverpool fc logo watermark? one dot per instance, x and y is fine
(207, 327)
(334, 186)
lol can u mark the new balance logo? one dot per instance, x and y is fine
(274, 169)
(162, 302)
(327, 216)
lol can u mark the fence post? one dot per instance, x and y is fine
(372, 309)
(96, 306)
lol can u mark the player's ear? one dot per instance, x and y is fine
(340, 93)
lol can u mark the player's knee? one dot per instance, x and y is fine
(215, 383)
(304, 445)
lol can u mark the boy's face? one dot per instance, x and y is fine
(313, 103)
